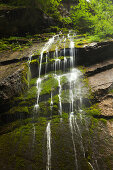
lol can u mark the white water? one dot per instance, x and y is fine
(65, 59)
(45, 48)
(38, 92)
(48, 131)
(91, 166)
(46, 62)
(59, 95)
(51, 103)
(71, 118)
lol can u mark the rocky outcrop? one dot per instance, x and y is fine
(19, 21)
(94, 53)
(101, 82)
(13, 85)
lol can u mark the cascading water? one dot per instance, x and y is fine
(72, 77)
(71, 123)
(59, 95)
(48, 131)
(45, 48)
(65, 59)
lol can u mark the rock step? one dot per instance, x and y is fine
(7, 62)
(98, 70)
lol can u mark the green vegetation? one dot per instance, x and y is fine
(14, 43)
(49, 84)
(93, 110)
(93, 17)
(33, 82)
(19, 109)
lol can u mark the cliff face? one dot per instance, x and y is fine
(19, 21)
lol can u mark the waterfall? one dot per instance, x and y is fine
(65, 59)
(48, 131)
(71, 118)
(45, 48)
(75, 92)
(91, 166)
(51, 103)
(38, 92)
(59, 95)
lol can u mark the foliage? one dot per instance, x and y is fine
(81, 16)
(94, 17)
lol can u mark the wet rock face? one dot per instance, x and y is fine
(95, 53)
(106, 105)
(22, 20)
(12, 86)
(101, 82)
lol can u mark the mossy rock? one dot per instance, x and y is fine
(35, 61)
(19, 109)
(48, 85)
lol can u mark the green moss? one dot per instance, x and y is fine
(35, 61)
(49, 84)
(14, 43)
(63, 80)
(56, 99)
(33, 82)
(19, 109)
(65, 95)
(82, 69)
(65, 116)
(93, 110)
(45, 109)
(104, 121)
(31, 93)
(56, 120)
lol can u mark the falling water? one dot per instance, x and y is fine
(91, 166)
(65, 63)
(59, 95)
(46, 62)
(51, 103)
(38, 92)
(72, 53)
(45, 48)
(81, 139)
(48, 131)
(71, 118)
(65, 59)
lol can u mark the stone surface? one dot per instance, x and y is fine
(19, 21)
(95, 53)
(12, 85)
(106, 106)
(101, 83)
(101, 80)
